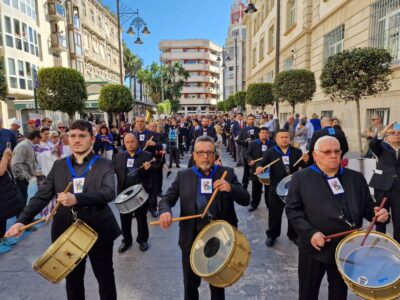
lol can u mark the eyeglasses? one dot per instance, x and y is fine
(205, 153)
(50, 122)
(330, 152)
(374, 119)
(61, 127)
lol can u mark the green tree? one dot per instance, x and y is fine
(294, 86)
(115, 98)
(221, 106)
(355, 74)
(132, 65)
(260, 95)
(240, 100)
(3, 83)
(164, 107)
(229, 103)
(61, 89)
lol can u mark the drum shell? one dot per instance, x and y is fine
(66, 252)
(132, 203)
(265, 180)
(390, 291)
(235, 265)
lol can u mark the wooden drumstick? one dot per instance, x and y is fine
(150, 139)
(270, 164)
(141, 167)
(298, 161)
(373, 222)
(258, 159)
(340, 234)
(58, 204)
(178, 219)
(213, 196)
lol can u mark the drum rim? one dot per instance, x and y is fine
(290, 175)
(131, 187)
(339, 247)
(228, 256)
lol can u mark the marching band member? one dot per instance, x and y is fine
(125, 163)
(256, 150)
(325, 199)
(93, 180)
(205, 129)
(190, 186)
(288, 155)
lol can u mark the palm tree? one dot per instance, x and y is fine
(132, 64)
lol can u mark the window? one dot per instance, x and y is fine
(11, 74)
(269, 77)
(327, 113)
(76, 20)
(291, 13)
(384, 113)
(15, 4)
(99, 21)
(288, 64)
(8, 32)
(6, 2)
(261, 50)
(92, 15)
(60, 10)
(271, 38)
(17, 34)
(333, 42)
(283, 117)
(254, 57)
(83, 4)
(78, 44)
(25, 37)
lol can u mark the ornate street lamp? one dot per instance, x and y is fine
(250, 8)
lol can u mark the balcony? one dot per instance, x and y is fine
(188, 55)
(199, 78)
(201, 67)
(56, 10)
(195, 90)
(198, 101)
(58, 42)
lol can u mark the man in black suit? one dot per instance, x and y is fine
(386, 177)
(193, 199)
(325, 199)
(327, 129)
(125, 163)
(255, 151)
(287, 156)
(94, 188)
(206, 130)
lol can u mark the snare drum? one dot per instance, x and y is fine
(66, 252)
(220, 254)
(373, 270)
(264, 178)
(131, 199)
(283, 187)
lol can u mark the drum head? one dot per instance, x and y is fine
(128, 193)
(212, 248)
(283, 186)
(264, 175)
(374, 265)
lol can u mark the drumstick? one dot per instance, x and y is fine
(298, 161)
(373, 222)
(270, 164)
(213, 196)
(258, 159)
(178, 219)
(133, 171)
(150, 139)
(58, 204)
(340, 234)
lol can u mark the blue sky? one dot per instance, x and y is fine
(177, 19)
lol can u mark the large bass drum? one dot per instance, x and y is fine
(220, 254)
(131, 199)
(372, 271)
(283, 188)
(66, 252)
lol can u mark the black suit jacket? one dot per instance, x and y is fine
(245, 135)
(143, 175)
(310, 207)
(184, 188)
(92, 207)
(147, 136)
(210, 132)
(254, 152)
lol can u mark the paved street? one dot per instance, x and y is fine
(156, 274)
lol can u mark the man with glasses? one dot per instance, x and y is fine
(372, 131)
(194, 186)
(325, 199)
(61, 128)
(386, 177)
(93, 180)
(47, 122)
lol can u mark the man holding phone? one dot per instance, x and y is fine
(7, 138)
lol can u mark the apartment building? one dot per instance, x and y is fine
(313, 30)
(199, 57)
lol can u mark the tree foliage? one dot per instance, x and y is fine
(221, 106)
(294, 86)
(115, 98)
(3, 83)
(240, 100)
(164, 107)
(260, 94)
(61, 89)
(132, 65)
(356, 73)
(229, 103)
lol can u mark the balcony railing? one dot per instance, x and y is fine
(58, 41)
(56, 10)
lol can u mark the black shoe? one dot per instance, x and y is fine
(154, 214)
(143, 246)
(177, 166)
(270, 242)
(239, 165)
(124, 247)
(252, 208)
(169, 173)
(170, 167)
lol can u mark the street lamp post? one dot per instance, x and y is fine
(225, 57)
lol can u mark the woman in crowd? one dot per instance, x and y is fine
(300, 136)
(105, 141)
(315, 121)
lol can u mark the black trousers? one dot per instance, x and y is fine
(23, 188)
(142, 226)
(101, 258)
(276, 208)
(156, 188)
(257, 187)
(310, 274)
(191, 282)
(393, 205)
(174, 156)
(233, 148)
(246, 174)
(158, 182)
(3, 227)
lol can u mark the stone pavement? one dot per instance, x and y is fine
(156, 274)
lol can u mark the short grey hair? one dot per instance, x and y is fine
(323, 139)
(202, 139)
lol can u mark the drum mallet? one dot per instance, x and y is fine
(178, 219)
(270, 164)
(133, 171)
(150, 139)
(298, 161)
(58, 204)
(213, 196)
(340, 234)
(373, 222)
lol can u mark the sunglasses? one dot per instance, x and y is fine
(61, 127)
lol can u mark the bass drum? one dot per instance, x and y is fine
(283, 188)
(220, 254)
(66, 252)
(372, 271)
(264, 178)
(131, 199)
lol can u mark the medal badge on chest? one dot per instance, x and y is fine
(78, 184)
(130, 162)
(335, 185)
(263, 148)
(206, 185)
(286, 160)
(141, 137)
(251, 131)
